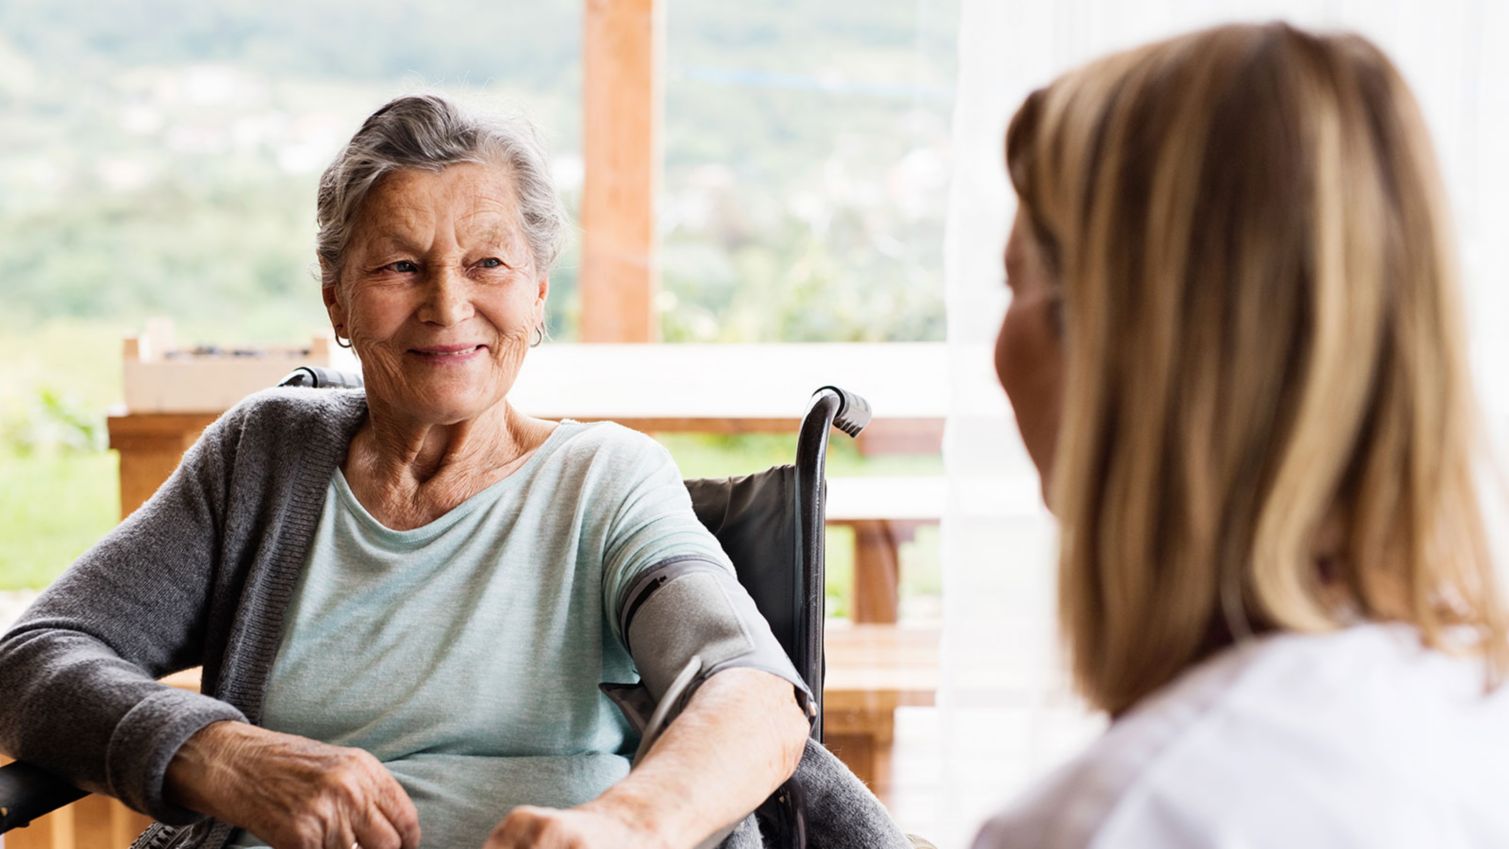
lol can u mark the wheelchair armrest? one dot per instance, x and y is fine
(28, 792)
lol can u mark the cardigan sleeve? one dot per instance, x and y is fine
(78, 694)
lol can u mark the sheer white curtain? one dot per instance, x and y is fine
(1006, 714)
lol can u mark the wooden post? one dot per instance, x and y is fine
(863, 741)
(621, 57)
(151, 446)
(877, 568)
(92, 823)
(54, 831)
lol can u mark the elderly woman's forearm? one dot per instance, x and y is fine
(76, 708)
(741, 736)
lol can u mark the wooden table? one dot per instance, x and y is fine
(871, 671)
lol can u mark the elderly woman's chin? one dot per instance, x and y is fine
(443, 388)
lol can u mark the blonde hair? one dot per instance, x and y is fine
(1267, 417)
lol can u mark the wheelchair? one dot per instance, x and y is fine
(770, 524)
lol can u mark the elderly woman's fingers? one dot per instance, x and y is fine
(295, 792)
(344, 803)
(394, 821)
(521, 829)
(373, 831)
(340, 836)
(372, 810)
(573, 828)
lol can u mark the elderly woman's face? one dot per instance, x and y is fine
(438, 292)
(1029, 350)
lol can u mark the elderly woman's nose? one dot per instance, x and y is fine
(447, 297)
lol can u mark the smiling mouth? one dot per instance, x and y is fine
(447, 350)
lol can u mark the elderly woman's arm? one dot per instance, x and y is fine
(674, 601)
(737, 741)
(77, 671)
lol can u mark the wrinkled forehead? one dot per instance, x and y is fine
(470, 202)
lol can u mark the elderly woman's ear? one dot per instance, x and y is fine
(335, 307)
(539, 304)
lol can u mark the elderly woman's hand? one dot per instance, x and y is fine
(586, 827)
(293, 792)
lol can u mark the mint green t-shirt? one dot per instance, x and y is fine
(465, 654)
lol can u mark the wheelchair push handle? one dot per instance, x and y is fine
(853, 411)
(317, 377)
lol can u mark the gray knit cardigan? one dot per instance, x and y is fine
(201, 575)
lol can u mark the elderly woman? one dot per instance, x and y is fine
(404, 599)
(1235, 354)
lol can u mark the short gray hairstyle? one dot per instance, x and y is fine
(429, 132)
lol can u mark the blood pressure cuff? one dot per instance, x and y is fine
(693, 607)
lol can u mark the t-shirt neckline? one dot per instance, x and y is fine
(451, 517)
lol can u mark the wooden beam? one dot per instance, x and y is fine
(621, 57)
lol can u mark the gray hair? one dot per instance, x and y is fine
(429, 132)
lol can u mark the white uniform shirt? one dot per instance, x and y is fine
(1360, 739)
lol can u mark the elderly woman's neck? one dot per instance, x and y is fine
(394, 449)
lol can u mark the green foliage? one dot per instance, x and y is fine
(52, 508)
(161, 155)
(708, 455)
(332, 39)
(805, 169)
(161, 158)
(53, 423)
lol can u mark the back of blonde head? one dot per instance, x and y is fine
(1267, 421)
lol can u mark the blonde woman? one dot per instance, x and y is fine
(1235, 353)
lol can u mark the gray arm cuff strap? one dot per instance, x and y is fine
(690, 607)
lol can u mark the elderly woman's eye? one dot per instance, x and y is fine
(491, 262)
(403, 266)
